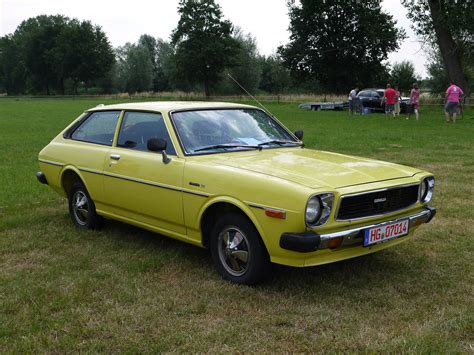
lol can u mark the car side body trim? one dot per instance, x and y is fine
(154, 184)
(50, 162)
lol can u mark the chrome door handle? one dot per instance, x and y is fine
(114, 156)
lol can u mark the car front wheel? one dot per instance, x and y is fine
(82, 208)
(238, 251)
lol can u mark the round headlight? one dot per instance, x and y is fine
(318, 209)
(426, 189)
(313, 210)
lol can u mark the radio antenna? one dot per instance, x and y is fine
(261, 105)
(249, 94)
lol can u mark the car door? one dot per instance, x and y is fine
(138, 184)
(87, 145)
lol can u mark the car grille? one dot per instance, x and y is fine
(377, 202)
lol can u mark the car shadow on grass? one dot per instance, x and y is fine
(364, 273)
(131, 237)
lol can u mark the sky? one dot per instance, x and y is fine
(125, 20)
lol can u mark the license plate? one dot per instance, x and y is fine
(385, 232)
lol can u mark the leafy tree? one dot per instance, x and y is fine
(247, 70)
(203, 42)
(119, 70)
(151, 44)
(449, 26)
(12, 67)
(339, 43)
(83, 54)
(166, 77)
(403, 75)
(134, 70)
(161, 55)
(438, 76)
(37, 39)
(45, 51)
(275, 77)
(140, 70)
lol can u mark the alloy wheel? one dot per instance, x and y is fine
(234, 251)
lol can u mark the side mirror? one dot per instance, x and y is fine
(299, 134)
(158, 145)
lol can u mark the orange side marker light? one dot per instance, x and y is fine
(275, 213)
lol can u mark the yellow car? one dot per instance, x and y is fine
(233, 179)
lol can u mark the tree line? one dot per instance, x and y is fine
(334, 45)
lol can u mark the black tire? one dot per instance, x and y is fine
(82, 208)
(238, 251)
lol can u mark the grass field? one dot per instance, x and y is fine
(123, 289)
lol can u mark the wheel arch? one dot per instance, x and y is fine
(218, 207)
(68, 177)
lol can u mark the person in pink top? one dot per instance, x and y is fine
(414, 102)
(453, 96)
(389, 97)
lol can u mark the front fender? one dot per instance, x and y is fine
(236, 203)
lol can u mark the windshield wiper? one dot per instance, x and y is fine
(280, 142)
(227, 146)
(259, 146)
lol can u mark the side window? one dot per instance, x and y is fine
(138, 127)
(98, 128)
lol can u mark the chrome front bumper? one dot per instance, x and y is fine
(311, 241)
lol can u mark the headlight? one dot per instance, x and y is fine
(426, 189)
(318, 209)
(313, 210)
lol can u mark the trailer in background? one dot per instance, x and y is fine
(318, 106)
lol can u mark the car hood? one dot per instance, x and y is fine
(313, 168)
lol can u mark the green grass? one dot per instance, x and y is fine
(128, 290)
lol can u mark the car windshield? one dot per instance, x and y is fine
(220, 130)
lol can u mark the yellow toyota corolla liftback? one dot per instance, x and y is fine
(233, 179)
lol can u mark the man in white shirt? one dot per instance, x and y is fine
(352, 99)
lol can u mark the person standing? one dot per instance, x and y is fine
(414, 102)
(397, 102)
(352, 100)
(453, 96)
(389, 99)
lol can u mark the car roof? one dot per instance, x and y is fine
(169, 106)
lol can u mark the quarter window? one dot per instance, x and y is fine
(98, 128)
(138, 127)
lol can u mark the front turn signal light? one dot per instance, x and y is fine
(335, 242)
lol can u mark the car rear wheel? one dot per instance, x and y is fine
(238, 251)
(82, 208)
